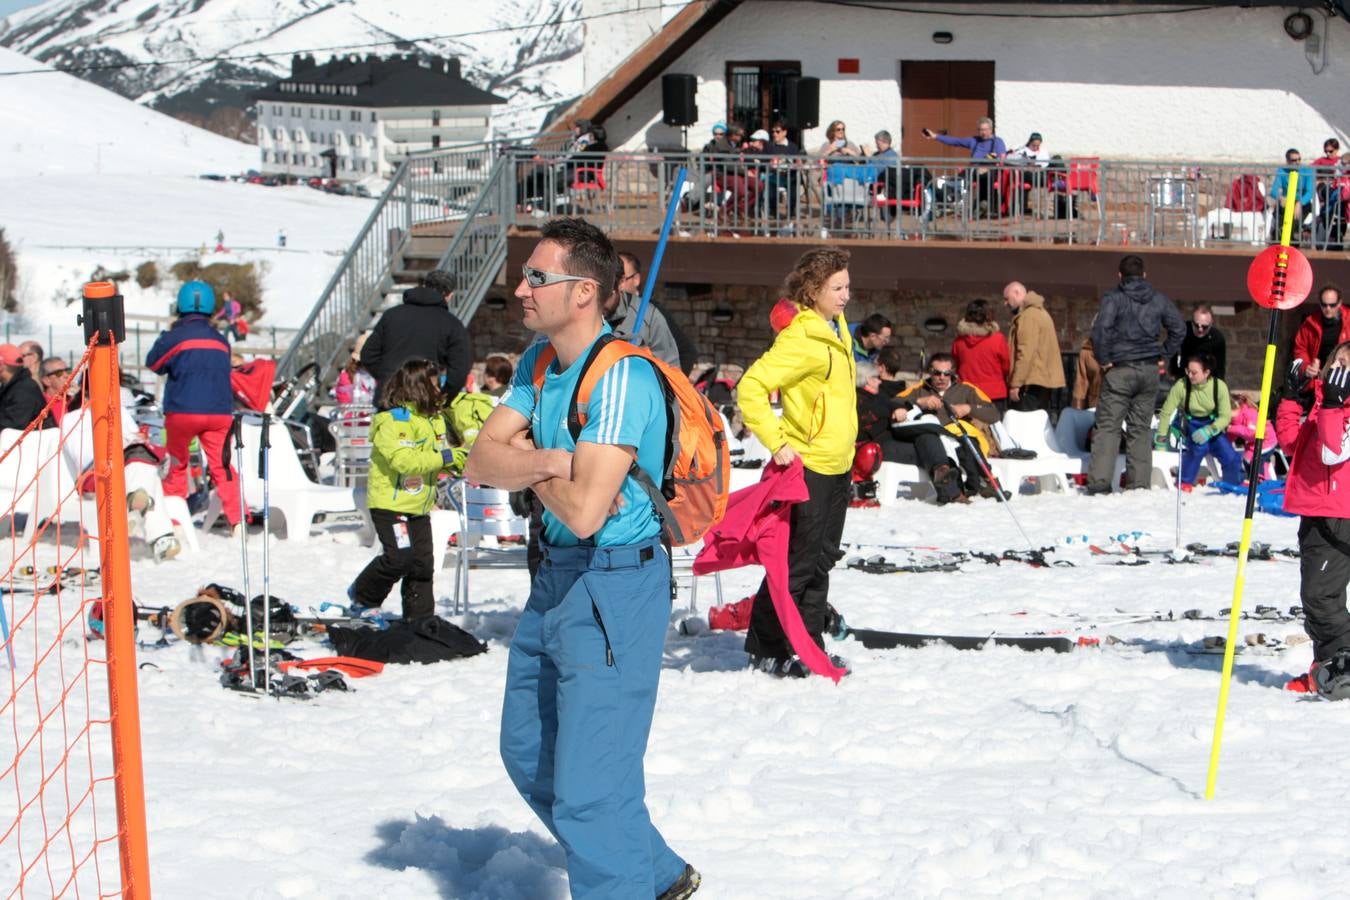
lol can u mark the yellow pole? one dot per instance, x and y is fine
(1239, 582)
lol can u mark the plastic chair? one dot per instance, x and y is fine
(892, 476)
(1031, 431)
(290, 492)
(485, 512)
(588, 183)
(29, 483)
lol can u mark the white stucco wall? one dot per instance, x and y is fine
(1217, 85)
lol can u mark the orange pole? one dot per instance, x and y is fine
(103, 316)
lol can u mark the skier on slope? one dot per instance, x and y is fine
(1318, 489)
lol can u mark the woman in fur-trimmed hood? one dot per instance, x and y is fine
(981, 352)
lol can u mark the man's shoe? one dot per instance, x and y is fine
(685, 886)
(1093, 490)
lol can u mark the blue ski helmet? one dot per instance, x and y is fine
(196, 297)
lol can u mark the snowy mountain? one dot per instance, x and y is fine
(200, 58)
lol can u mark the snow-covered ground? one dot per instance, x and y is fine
(926, 773)
(113, 184)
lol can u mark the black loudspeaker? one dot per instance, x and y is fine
(803, 103)
(677, 99)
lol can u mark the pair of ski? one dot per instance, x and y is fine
(951, 560)
(1058, 643)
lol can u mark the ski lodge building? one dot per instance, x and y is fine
(1167, 123)
(366, 114)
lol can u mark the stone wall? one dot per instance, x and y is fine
(700, 310)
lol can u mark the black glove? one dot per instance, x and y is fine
(1296, 381)
(1335, 387)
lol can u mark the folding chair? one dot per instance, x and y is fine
(485, 512)
(350, 428)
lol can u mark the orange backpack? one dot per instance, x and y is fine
(692, 495)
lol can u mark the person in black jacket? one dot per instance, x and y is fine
(1125, 341)
(421, 328)
(1203, 338)
(21, 398)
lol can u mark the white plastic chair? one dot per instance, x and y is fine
(290, 492)
(892, 476)
(1031, 431)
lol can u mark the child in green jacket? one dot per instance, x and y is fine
(408, 453)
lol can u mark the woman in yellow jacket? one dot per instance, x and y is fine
(811, 366)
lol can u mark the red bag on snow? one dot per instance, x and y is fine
(731, 616)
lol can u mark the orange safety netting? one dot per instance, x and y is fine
(62, 831)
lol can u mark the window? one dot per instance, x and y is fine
(372, 115)
(336, 137)
(435, 118)
(276, 109)
(757, 91)
(435, 141)
(342, 163)
(356, 140)
(277, 134)
(312, 112)
(297, 135)
(354, 115)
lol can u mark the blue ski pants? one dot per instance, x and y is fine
(1193, 454)
(580, 691)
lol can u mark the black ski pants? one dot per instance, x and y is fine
(408, 555)
(913, 449)
(1324, 569)
(817, 527)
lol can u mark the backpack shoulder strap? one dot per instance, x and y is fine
(606, 351)
(541, 364)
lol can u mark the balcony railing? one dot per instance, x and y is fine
(1070, 201)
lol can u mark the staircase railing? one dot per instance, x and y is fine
(426, 187)
(478, 250)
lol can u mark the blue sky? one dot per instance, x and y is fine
(8, 6)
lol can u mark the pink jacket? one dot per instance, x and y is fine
(1243, 426)
(755, 531)
(1319, 480)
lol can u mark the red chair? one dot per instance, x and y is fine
(589, 182)
(885, 202)
(1082, 176)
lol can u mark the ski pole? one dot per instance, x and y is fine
(660, 251)
(964, 438)
(237, 430)
(263, 472)
(1279, 278)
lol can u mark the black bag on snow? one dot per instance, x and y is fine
(427, 640)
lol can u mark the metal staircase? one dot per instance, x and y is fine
(463, 194)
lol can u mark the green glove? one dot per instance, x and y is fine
(1159, 442)
(1203, 435)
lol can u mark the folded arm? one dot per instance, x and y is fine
(583, 500)
(503, 458)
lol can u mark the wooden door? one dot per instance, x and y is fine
(946, 96)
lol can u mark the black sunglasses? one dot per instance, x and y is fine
(949, 373)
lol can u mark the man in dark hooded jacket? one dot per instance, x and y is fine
(422, 327)
(20, 396)
(1125, 339)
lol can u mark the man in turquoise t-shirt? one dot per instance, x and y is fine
(586, 656)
